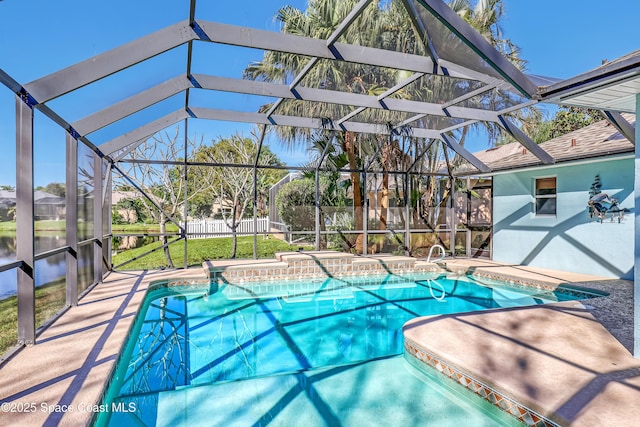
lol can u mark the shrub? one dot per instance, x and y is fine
(295, 202)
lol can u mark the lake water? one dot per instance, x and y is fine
(54, 267)
(47, 270)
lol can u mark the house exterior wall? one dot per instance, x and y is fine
(570, 240)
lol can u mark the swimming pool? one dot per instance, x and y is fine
(319, 352)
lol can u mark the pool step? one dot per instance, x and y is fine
(311, 265)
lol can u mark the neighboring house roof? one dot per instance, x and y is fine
(44, 198)
(596, 140)
(8, 198)
(118, 196)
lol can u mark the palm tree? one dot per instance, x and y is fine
(326, 154)
(320, 19)
(385, 25)
(485, 17)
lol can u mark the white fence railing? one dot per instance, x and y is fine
(202, 229)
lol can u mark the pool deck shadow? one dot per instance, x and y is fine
(569, 361)
(59, 380)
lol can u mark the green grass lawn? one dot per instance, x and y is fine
(200, 250)
(39, 225)
(50, 299)
(139, 227)
(60, 226)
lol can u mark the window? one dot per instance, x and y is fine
(545, 196)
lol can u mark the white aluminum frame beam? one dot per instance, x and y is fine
(139, 134)
(344, 25)
(419, 26)
(252, 87)
(9, 82)
(71, 220)
(470, 95)
(78, 75)
(86, 72)
(282, 42)
(517, 107)
(455, 146)
(19, 90)
(98, 270)
(131, 105)
(299, 45)
(178, 84)
(110, 62)
(624, 127)
(383, 96)
(523, 139)
(458, 126)
(480, 46)
(25, 230)
(306, 122)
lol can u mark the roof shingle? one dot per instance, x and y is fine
(596, 140)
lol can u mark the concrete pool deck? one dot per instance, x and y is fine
(569, 361)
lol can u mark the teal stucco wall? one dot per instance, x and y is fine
(570, 241)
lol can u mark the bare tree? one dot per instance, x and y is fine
(232, 187)
(164, 185)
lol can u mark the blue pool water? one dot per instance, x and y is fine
(325, 352)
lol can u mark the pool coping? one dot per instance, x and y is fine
(487, 392)
(490, 393)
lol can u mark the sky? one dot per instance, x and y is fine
(558, 39)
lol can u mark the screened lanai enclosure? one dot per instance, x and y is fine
(338, 125)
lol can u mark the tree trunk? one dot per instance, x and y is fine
(383, 205)
(384, 201)
(234, 228)
(234, 241)
(350, 149)
(165, 240)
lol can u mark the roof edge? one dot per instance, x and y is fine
(622, 69)
(622, 155)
